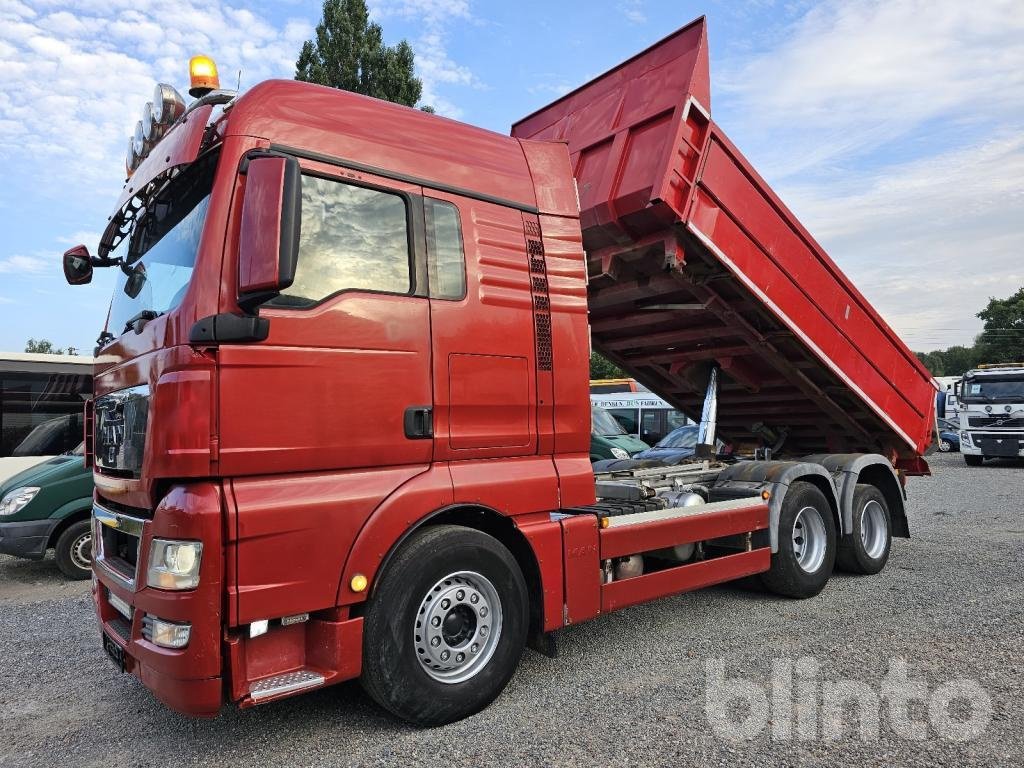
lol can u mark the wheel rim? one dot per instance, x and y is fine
(809, 539)
(81, 551)
(944, 446)
(873, 529)
(457, 627)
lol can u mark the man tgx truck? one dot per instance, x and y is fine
(991, 415)
(341, 416)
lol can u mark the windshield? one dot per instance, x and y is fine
(162, 248)
(602, 423)
(52, 437)
(684, 437)
(1002, 390)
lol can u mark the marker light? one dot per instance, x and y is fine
(202, 72)
(358, 583)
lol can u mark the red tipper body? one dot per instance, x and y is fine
(300, 444)
(692, 258)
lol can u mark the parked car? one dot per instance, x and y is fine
(47, 507)
(949, 436)
(679, 444)
(608, 440)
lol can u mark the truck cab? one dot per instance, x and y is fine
(991, 412)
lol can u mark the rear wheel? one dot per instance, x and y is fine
(865, 549)
(973, 461)
(73, 551)
(445, 627)
(807, 544)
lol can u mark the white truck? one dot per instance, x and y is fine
(991, 416)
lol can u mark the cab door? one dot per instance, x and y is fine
(348, 356)
(484, 359)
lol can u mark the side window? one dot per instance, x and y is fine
(628, 418)
(445, 254)
(352, 238)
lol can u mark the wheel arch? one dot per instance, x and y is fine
(851, 469)
(501, 527)
(749, 478)
(65, 519)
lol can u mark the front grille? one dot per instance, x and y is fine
(121, 552)
(119, 423)
(121, 627)
(995, 421)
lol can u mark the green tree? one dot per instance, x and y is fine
(348, 52)
(1002, 340)
(600, 368)
(42, 347)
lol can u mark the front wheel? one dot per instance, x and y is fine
(865, 549)
(807, 544)
(445, 627)
(73, 550)
(945, 446)
(973, 460)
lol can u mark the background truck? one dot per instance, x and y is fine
(299, 263)
(991, 412)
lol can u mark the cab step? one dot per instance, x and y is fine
(287, 682)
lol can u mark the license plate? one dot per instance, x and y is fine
(1005, 447)
(114, 651)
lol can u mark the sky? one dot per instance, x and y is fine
(894, 130)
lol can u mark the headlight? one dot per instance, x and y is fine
(965, 437)
(174, 564)
(16, 500)
(618, 453)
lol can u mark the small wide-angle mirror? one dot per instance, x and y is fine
(77, 265)
(136, 279)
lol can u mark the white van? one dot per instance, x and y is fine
(642, 414)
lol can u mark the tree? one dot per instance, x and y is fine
(603, 369)
(42, 347)
(1002, 340)
(348, 52)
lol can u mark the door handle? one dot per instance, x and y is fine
(419, 422)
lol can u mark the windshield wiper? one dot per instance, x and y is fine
(138, 321)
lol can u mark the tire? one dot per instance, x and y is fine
(73, 551)
(865, 549)
(973, 460)
(945, 446)
(801, 571)
(403, 670)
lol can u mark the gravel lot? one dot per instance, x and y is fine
(628, 688)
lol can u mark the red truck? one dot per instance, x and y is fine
(341, 416)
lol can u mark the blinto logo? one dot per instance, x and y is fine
(797, 704)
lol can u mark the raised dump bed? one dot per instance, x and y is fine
(694, 261)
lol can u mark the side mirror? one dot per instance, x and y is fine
(268, 246)
(77, 265)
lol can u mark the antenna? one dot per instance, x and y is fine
(238, 85)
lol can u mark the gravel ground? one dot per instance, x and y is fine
(628, 688)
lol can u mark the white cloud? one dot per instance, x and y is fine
(74, 77)
(894, 131)
(865, 72)
(19, 264)
(633, 10)
(434, 66)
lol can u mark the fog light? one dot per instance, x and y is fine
(166, 634)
